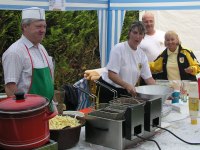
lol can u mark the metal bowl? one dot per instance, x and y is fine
(154, 91)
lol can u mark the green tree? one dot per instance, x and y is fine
(10, 31)
(72, 39)
(130, 17)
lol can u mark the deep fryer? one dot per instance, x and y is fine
(117, 125)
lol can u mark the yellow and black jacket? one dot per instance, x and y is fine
(185, 59)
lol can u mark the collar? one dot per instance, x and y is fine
(170, 52)
(129, 47)
(28, 43)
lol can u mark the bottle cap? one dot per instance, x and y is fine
(193, 121)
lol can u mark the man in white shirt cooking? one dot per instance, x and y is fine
(27, 66)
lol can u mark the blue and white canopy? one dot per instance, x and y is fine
(110, 14)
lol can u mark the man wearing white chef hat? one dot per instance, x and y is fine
(27, 66)
(34, 13)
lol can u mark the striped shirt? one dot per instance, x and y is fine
(17, 63)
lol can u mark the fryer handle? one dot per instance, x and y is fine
(107, 87)
(102, 129)
(84, 91)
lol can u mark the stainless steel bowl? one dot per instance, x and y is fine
(154, 91)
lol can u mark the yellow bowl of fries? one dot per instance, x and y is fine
(65, 129)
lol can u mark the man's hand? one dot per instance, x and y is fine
(10, 88)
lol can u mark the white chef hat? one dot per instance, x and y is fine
(33, 13)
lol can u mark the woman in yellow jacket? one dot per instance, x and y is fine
(175, 62)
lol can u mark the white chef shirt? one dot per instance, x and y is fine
(17, 63)
(128, 63)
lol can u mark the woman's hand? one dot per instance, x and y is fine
(117, 79)
(130, 89)
(189, 70)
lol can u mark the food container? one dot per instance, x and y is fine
(24, 122)
(73, 113)
(3, 96)
(154, 91)
(67, 137)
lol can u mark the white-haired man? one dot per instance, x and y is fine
(153, 42)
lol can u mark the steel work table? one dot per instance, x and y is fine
(177, 122)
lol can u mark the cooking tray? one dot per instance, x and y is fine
(127, 101)
(116, 107)
(107, 113)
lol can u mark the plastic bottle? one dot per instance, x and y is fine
(184, 90)
(193, 102)
(199, 93)
(175, 96)
(175, 84)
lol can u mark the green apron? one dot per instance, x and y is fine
(42, 83)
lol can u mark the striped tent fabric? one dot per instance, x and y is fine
(111, 14)
(110, 26)
(154, 4)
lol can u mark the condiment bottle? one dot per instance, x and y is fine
(193, 102)
(199, 93)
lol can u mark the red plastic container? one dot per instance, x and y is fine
(86, 110)
(199, 87)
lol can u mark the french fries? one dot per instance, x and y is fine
(59, 122)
